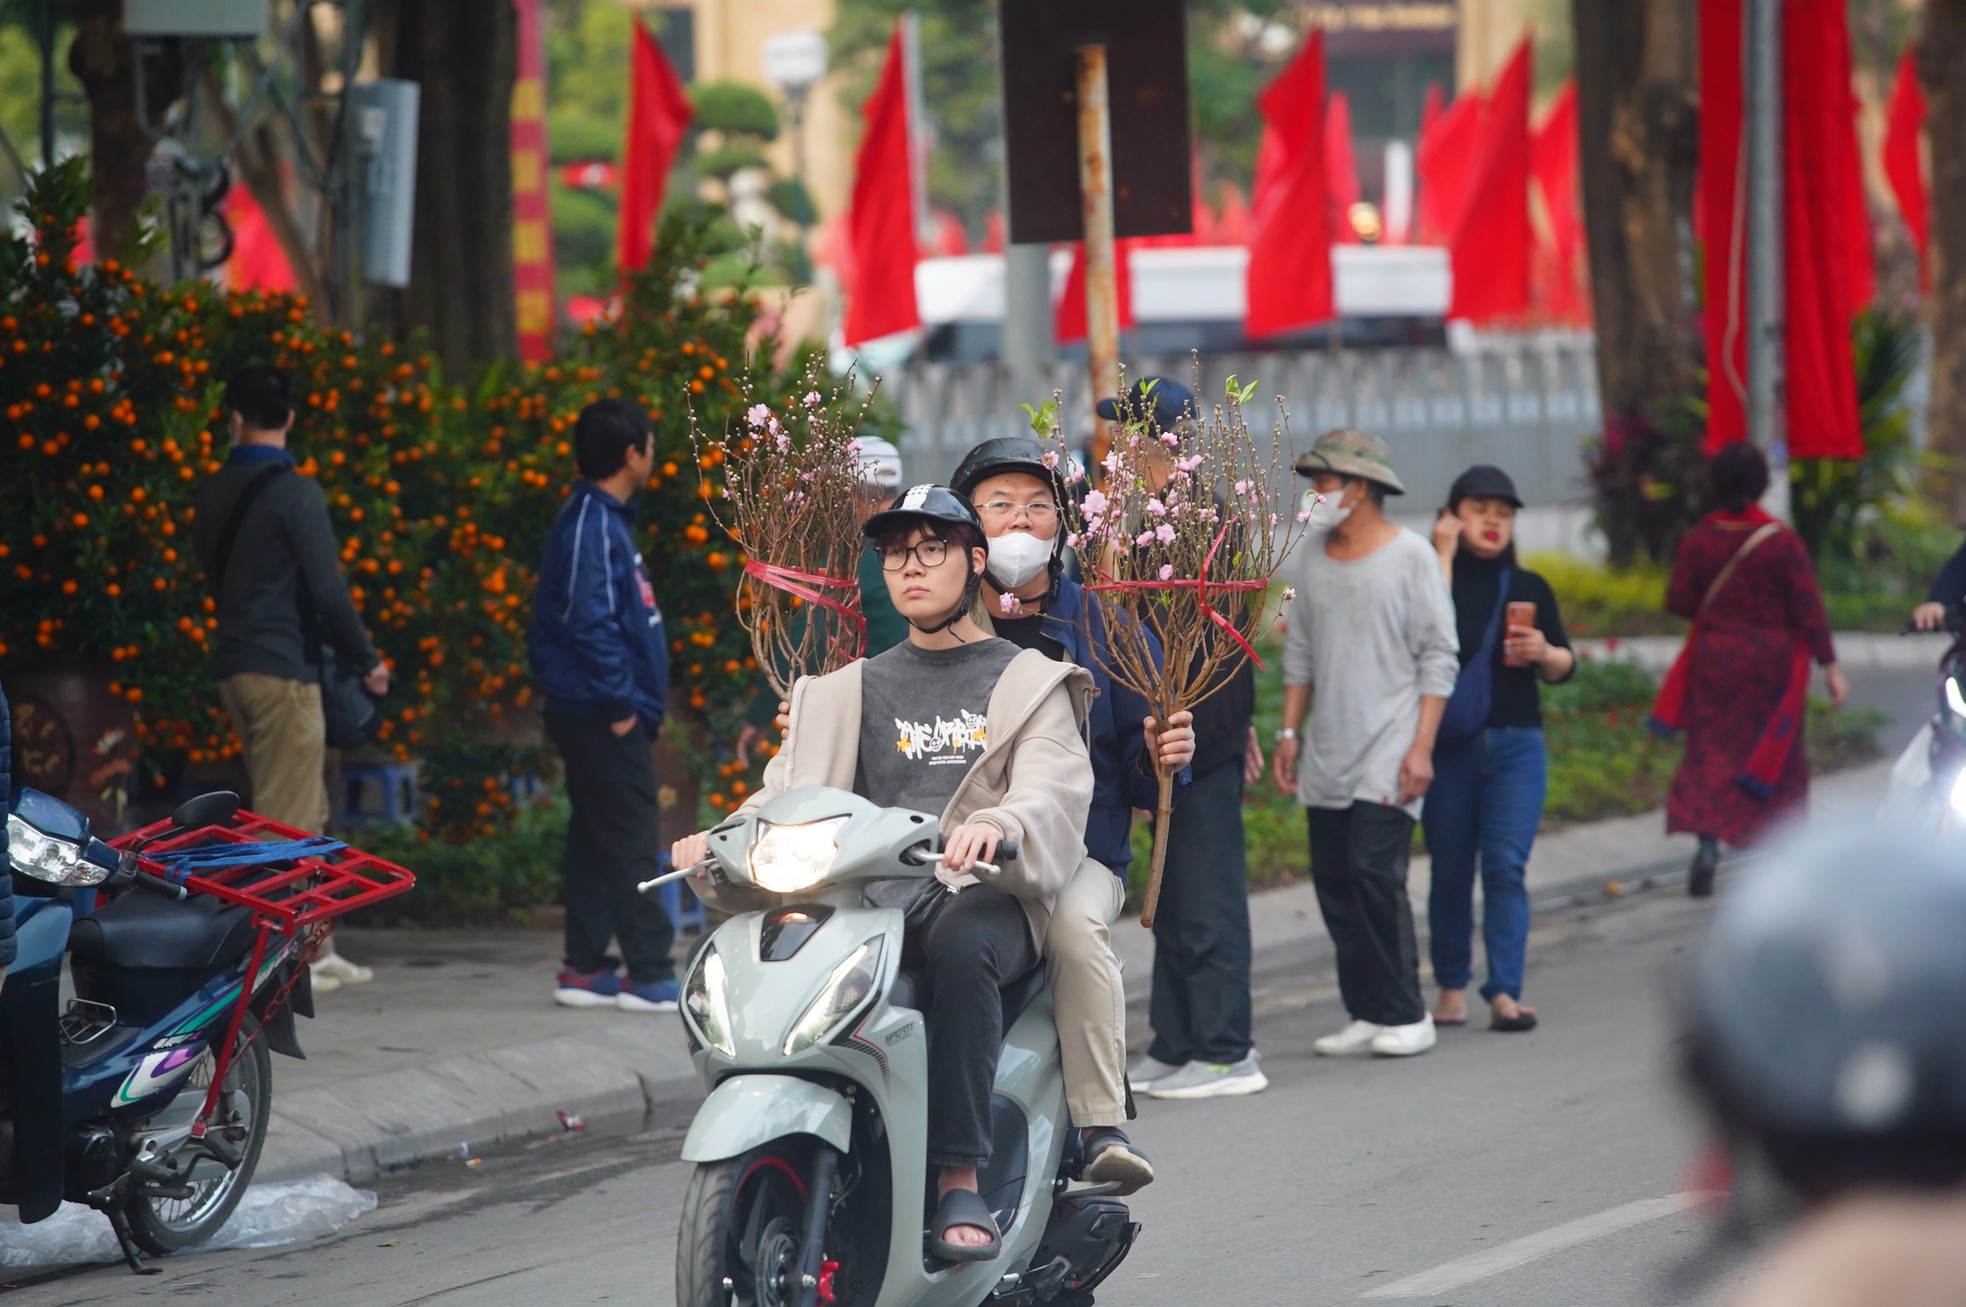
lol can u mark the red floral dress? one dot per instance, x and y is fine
(1740, 662)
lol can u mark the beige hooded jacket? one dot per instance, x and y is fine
(1033, 781)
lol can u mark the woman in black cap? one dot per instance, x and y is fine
(1490, 766)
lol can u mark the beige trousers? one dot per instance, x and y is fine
(1088, 996)
(285, 738)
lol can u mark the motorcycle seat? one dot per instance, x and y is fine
(141, 931)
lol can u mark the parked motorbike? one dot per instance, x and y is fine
(148, 1097)
(1928, 781)
(811, 1181)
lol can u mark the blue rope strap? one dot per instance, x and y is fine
(185, 863)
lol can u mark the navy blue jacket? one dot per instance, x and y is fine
(1123, 776)
(7, 945)
(598, 646)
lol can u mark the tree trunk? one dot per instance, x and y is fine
(103, 59)
(460, 291)
(1942, 73)
(1637, 74)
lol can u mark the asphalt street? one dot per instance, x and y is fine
(1544, 1169)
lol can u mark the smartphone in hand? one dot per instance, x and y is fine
(1518, 614)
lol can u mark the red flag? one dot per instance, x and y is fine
(1288, 283)
(658, 115)
(1553, 158)
(1445, 163)
(1824, 291)
(1430, 109)
(1340, 167)
(995, 233)
(1232, 227)
(258, 262)
(1904, 122)
(1492, 241)
(950, 238)
(881, 221)
(1722, 225)
(1068, 321)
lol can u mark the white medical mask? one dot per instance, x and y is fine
(1326, 514)
(1017, 557)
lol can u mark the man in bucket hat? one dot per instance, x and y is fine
(1372, 630)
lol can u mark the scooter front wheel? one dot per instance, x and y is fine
(738, 1245)
(245, 1103)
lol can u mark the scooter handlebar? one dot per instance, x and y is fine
(158, 885)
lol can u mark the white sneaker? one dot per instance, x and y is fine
(333, 966)
(1350, 1042)
(1212, 1080)
(1147, 1070)
(1405, 1041)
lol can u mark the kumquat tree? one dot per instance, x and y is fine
(441, 491)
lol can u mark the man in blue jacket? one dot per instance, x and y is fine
(601, 661)
(1019, 494)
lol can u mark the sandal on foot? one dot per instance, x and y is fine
(1461, 1020)
(1522, 1022)
(964, 1207)
(1112, 1158)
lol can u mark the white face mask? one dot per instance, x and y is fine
(1017, 557)
(1326, 514)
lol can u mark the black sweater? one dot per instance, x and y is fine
(1518, 700)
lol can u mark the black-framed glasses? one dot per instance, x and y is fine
(1042, 513)
(929, 553)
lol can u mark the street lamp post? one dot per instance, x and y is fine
(795, 62)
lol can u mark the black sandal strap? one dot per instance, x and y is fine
(964, 1207)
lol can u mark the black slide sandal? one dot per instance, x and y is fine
(964, 1207)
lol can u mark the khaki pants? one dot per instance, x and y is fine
(285, 737)
(1088, 996)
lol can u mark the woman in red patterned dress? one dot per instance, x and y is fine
(1740, 689)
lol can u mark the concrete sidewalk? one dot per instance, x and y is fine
(457, 1043)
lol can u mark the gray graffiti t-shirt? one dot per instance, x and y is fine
(924, 720)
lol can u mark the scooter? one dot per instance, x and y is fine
(1928, 781)
(811, 1182)
(148, 1097)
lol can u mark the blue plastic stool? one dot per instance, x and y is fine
(684, 908)
(395, 785)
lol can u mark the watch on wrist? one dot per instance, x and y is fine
(1285, 733)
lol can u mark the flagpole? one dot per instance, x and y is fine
(1102, 309)
(911, 80)
(1764, 198)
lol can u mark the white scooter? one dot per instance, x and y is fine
(1928, 781)
(812, 1183)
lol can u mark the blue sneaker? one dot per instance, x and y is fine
(647, 996)
(587, 988)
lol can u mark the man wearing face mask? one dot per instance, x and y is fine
(1017, 490)
(1372, 629)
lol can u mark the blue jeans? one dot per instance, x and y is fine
(1483, 809)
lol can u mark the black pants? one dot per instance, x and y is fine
(613, 842)
(1200, 1008)
(966, 947)
(1359, 857)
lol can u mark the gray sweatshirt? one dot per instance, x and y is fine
(1371, 637)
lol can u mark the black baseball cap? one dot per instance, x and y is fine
(1162, 400)
(1483, 482)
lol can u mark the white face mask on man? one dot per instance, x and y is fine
(1326, 511)
(1017, 557)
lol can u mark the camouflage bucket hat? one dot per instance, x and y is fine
(1352, 453)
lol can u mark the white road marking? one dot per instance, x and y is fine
(1508, 1256)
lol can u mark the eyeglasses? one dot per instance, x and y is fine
(1041, 514)
(929, 553)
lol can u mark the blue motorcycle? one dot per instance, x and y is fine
(148, 1096)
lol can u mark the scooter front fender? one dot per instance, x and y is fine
(745, 1112)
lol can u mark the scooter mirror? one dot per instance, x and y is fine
(206, 810)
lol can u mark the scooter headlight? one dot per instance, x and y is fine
(847, 989)
(1955, 701)
(787, 859)
(56, 861)
(1956, 797)
(705, 1001)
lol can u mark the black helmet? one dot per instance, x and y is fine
(930, 503)
(1827, 1007)
(1010, 454)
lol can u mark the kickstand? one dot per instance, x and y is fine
(120, 1223)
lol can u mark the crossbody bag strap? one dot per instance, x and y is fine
(222, 555)
(1767, 532)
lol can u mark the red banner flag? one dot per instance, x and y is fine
(1904, 124)
(658, 115)
(532, 209)
(1340, 168)
(258, 262)
(1492, 241)
(1232, 224)
(1445, 164)
(1068, 319)
(881, 221)
(1288, 284)
(1553, 159)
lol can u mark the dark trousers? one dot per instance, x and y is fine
(1359, 858)
(613, 839)
(966, 947)
(1200, 1008)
